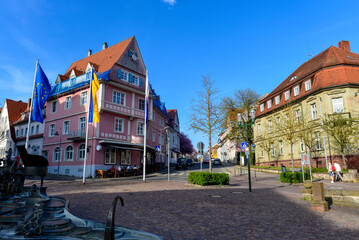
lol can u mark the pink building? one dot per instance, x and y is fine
(118, 138)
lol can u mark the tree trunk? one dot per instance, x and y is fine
(344, 162)
(291, 153)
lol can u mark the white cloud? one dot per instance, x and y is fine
(170, 2)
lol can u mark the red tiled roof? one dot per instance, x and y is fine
(102, 60)
(15, 108)
(334, 66)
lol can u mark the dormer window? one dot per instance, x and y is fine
(286, 95)
(277, 100)
(73, 74)
(293, 78)
(296, 90)
(269, 104)
(308, 85)
(262, 107)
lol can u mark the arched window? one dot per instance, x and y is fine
(69, 153)
(57, 154)
(81, 152)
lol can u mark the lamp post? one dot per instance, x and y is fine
(58, 163)
(240, 125)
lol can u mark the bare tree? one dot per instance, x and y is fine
(343, 132)
(266, 144)
(206, 116)
(287, 128)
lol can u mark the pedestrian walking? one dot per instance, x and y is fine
(331, 170)
(338, 172)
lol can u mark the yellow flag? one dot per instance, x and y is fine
(95, 86)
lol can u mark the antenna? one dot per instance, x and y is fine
(309, 55)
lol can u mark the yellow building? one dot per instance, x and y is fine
(327, 83)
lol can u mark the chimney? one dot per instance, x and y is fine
(29, 103)
(89, 52)
(104, 46)
(344, 45)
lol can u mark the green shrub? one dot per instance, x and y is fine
(207, 178)
(297, 177)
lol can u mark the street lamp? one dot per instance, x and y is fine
(58, 163)
(246, 124)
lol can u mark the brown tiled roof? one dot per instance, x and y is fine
(334, 66)
(102, 60)
(15, 108)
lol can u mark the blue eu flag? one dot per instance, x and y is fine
(41, 93)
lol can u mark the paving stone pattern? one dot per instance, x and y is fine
(176, 210)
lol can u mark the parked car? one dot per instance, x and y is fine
(190, 162)
(181, 163)
(217, 161)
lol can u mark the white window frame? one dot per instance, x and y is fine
(68, 101)
(313, 108)
(51, 129)
(308, 85)
(55, 154)
(318, 145)
(119, 125)
(153, 136)
(296, 90)
(54, 105)
(110, 156)
(281, 150)
(140, 129)
(66, 129)
(83, 98)
(287, 95)
(259, 130)
(338, 106)
(272, 149)
(81, 152)
(144, 104)
(37, 129)
(262, 107)
(124, 75)
(262, 153)
(82, 123)
(269, 104)
(301, 146)
(270, 125)
(277, 100)
(69, 153)
(121, 96)
(297, 115)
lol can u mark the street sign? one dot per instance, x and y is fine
(158, 148)
(305, 159)
(246, 149)
(200, 147)
(244, 145)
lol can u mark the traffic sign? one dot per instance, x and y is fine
(305, 159)
(246, 149)
(158, 148)
(244, 145)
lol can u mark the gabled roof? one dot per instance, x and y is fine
(15, 108)
(103, 59)
(334, 66)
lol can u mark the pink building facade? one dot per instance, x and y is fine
(118, 138)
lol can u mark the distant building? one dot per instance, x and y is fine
(36, 133)
(174, 134)
(119, 136)
(10, 113)
(325, 84)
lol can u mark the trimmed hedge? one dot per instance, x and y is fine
(207, 178)
(297, 177)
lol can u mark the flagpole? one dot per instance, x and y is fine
(145, 133)
(31, 105)
(87, 128)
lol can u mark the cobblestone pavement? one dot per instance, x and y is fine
(176, 210)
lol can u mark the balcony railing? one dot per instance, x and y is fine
(77, 135)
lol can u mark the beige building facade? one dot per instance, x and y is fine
(288, 120)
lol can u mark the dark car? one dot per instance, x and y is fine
(190, 162)
(181, 163)
(217, 161)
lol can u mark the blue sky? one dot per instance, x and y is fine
(242, 44)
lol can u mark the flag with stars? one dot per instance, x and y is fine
(41, 93)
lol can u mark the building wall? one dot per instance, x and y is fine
(350, 102)
(6, 141)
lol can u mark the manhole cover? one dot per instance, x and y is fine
(216, 196)
(237, 192)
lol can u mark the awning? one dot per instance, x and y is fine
(125, 146)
